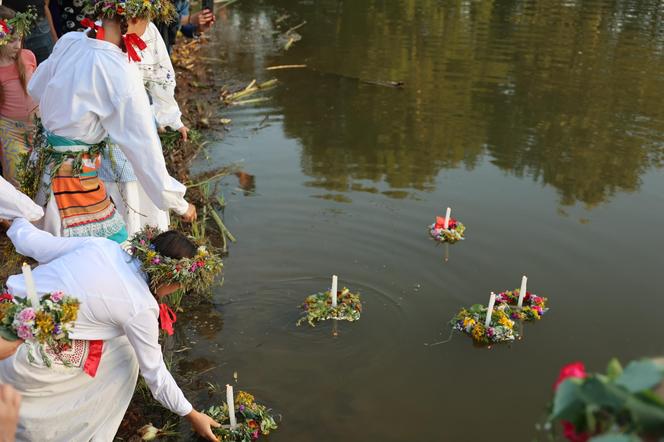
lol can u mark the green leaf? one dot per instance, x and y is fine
(7, 334)
(640, 375)
(603, 394)
(567, 403)
(614, 369)
(648, 417)
(615, 437)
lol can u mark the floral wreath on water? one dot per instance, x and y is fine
(318, 307)
(471, 321)
(253, 419)
(532, 309)
(19, 26)
(452, 234)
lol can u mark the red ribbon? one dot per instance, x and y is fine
(167, 318)
(92, 25)
(94, 356)
(130, 41)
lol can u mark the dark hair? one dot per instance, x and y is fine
(6, 14)
(124, 28)
(174, 244)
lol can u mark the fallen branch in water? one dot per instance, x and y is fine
(286, 66)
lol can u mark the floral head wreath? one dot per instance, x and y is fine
(164, 10)
(19, 26)
(195, 274)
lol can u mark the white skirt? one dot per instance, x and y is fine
(136, 207)
(64, 404)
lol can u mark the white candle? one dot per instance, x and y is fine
(230, 400)
(30, 286)
(447, 218)
(492, 301)
(522, 290)
(333, 290)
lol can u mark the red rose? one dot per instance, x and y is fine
(6, 297)
(573, 370)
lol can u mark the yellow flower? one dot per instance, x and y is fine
(244, 398)
(69, 312)
(151, 254)
(478, 332)
(468, 322)
(505, 321)
(45, 324)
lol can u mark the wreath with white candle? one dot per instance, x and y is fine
(447, 229)
(319, 307)
(252, 420)
(473, 322)
(532, 308)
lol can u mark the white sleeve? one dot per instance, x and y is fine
(41, 77)
(159, 79)
(14, 204)
(143, 333)
(39, 245)
(131, 126)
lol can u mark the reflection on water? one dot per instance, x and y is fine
(513, 113)
(567, 93)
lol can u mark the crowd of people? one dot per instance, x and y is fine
(85, 88)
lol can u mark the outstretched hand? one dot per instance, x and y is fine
(191, 215)
(203, 424)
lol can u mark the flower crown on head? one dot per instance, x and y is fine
(19, 26)
(195, 274)
(150, 9)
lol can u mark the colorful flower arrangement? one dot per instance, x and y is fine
(48, 323)
(149, 9)
(532, 308)
(253, 420)
(318, 307)
(452, 234)
(195, 274)
(17, 27)
(622, 405)
(471, 321)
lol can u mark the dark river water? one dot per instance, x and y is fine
(540, 123)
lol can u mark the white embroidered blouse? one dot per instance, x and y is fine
(87, 90)
(159, 79)
(114, 302)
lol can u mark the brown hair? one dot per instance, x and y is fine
(174, 244)
(6, 14)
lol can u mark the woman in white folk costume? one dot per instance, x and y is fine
(158, 76)
(88, 91)
(115, 333)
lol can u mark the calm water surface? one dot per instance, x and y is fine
(539, 122)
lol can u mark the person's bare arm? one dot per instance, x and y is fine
(49, 18)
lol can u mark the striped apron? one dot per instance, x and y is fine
(83, 204)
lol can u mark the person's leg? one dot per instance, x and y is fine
(13, 141)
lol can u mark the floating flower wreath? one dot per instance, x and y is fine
(195, 274)
(471, 321)
(253, 420)
(533, 307)
(150, 9)
(318, 307)
(48, 323)
(17, 27)
(452, 234)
